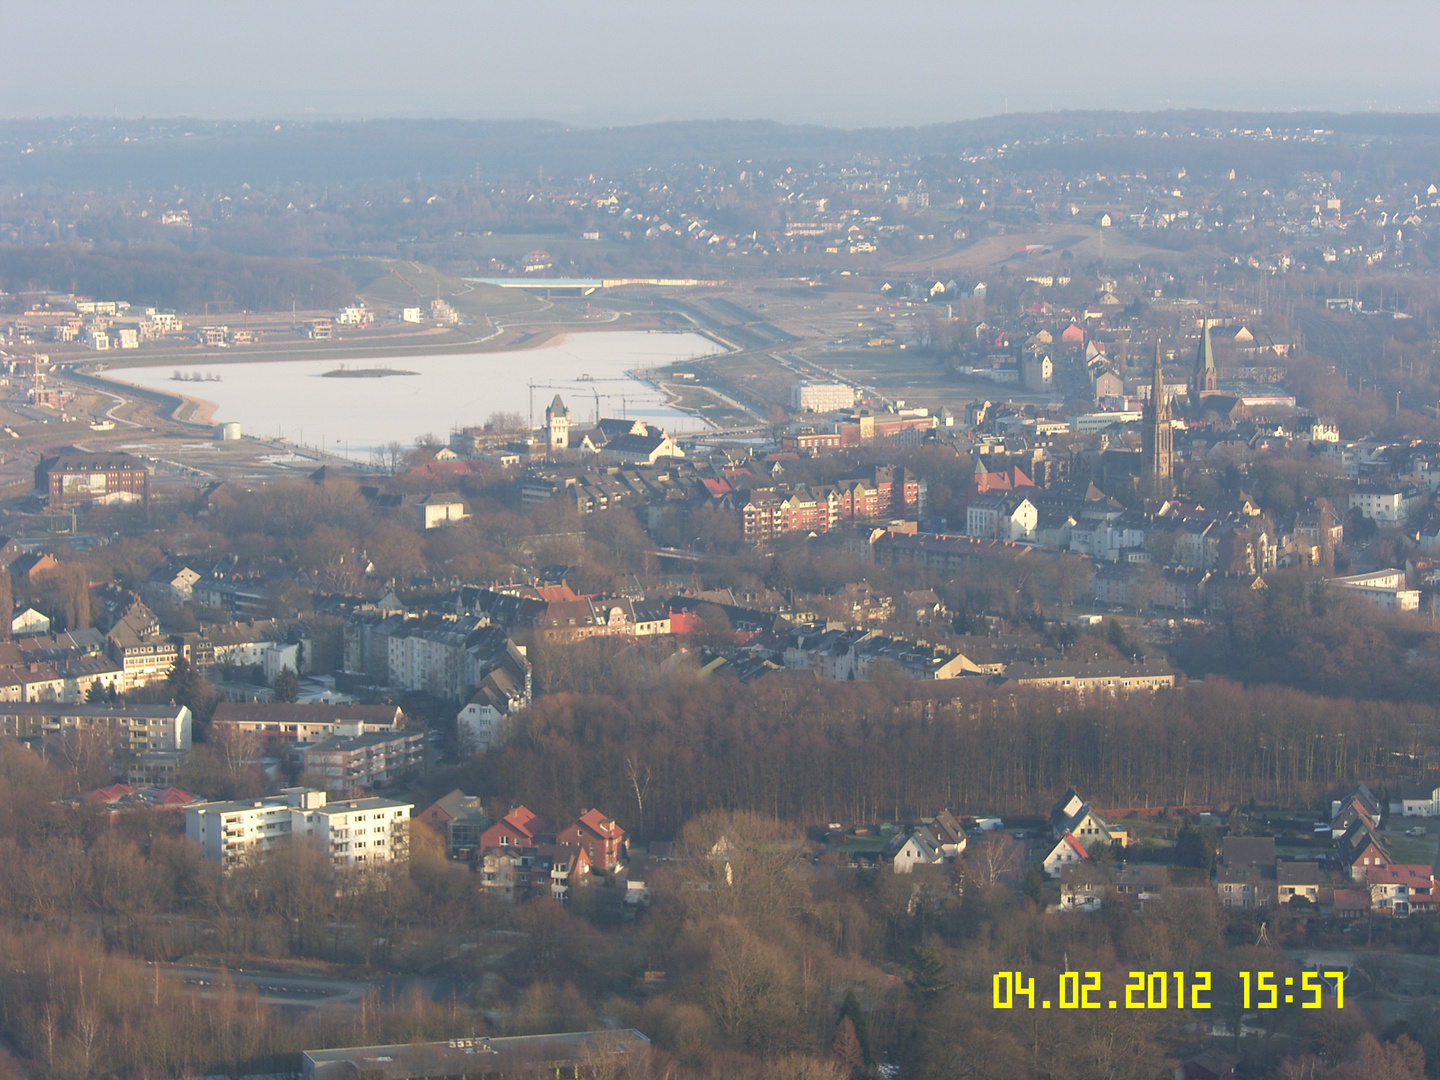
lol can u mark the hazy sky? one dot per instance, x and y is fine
(838, 62)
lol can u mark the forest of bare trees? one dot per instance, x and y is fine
(861, 752)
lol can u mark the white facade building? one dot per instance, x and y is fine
(821, 397)
(1383, 588)
(1089, 423)
(355, 832)
(1001, 517)
(1384, 506)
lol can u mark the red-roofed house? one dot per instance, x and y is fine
(442, 470)
(113, 793)
(685, 622)
(1009, 480)
(519, 828)
(1066, 852)
(602, 839)
(173, 798)
(1350, 903)
(1393, 887)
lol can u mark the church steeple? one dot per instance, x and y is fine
(1157, 437)
(1157, 382)
(1205, 379)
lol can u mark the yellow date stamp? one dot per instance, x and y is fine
(1167, 990)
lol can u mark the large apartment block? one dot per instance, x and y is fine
(821, 397)
(307, 723)
(77, 478)
(135, 727)
(363, 761)
(355, 832)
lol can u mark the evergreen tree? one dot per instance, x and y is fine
(184, 682)
(927, 972)
(1034, 884)
(287, 686)
(777, 577)
(851, 1012)
(846, 1048)
(1197, 847)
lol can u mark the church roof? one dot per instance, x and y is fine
(1158, 407)
(1205, 359)
(557, 406)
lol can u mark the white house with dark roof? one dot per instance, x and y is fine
(918, 849)
(1066, 852)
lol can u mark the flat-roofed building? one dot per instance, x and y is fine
(307, 723)
(1386, 589)
(573, 1054)
(78, 478)
(354, 832)
(364, 761)
(135, 727)
(821, 397)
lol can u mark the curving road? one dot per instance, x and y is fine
(311, 991)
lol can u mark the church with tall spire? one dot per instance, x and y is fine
(1205, 380)
(1157, 438)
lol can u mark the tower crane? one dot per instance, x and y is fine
(572, 388)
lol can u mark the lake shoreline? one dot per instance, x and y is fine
(536, 339)
(595, 374)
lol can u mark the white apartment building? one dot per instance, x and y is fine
(355, 832)
(1383, 588)
(1001, 517)
(1089, 423)
(433, 662)
(1384, 506)
(821, 397)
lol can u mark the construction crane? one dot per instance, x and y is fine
(575, 389)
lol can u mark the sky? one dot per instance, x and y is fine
(614, 62)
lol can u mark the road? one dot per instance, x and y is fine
(312, 991)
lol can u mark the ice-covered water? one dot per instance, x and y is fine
(290, 398)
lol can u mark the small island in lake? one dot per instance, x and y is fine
(343, 372)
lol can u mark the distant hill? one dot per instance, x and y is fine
(94, 153)
(166, 278)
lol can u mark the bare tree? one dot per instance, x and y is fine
(236, 748)
(638, 773)
(87, 756)
(505, 421)
(393, 456)
(742, 980)
(994, 858)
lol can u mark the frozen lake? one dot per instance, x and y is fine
(290, 398)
